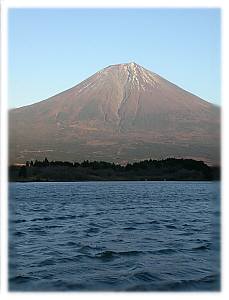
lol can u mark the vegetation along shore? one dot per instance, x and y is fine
(155, 170)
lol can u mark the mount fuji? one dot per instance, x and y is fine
(123, 113)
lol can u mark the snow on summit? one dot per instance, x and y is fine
(122, 113)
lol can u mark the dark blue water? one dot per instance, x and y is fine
(114, 236)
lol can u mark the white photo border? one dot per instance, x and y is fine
(5, 5)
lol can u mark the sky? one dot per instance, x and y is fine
(51, 50)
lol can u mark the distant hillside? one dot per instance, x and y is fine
(123, 113)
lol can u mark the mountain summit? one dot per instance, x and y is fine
(122, 113)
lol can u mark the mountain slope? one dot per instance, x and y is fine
(122, 113)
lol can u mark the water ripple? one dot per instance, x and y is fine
(114, 236)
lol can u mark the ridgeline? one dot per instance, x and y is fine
(170, 169)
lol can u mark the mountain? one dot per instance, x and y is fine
(123, 113)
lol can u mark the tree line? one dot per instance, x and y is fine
(164, 169)
(189, 164)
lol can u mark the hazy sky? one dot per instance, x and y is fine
(51, 50)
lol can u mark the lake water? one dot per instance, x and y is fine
(114, 236)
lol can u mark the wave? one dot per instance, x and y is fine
(146, 276)
(70, 244)
(171, 226)
(104, 254)
(22, 279)
(52, 226)
(66, 217)
(109, 254)
(19, 233)
(151, 282)
(129, 228)
(165, 251)
(42, 219)
(202, 247)
(19, 221)
(46, 262)
(92, 230)
(206, 283)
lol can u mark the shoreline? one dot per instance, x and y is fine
(169, 169)
(118, 180)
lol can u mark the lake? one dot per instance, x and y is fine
(114, 236)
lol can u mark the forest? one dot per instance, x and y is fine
(153, 170)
